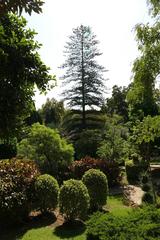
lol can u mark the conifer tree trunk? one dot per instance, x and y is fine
(83, 87)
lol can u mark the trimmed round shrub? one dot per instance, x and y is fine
(47, 190)
(74, 200)
(17, 177)
(112, 170)
(148, 198)
(97, 185)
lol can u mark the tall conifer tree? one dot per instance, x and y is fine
(83, 75)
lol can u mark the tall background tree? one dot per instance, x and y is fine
(52, 113)
(83, 75)
(117, 103)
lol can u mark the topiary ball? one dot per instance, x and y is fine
(47, 190)
(74, 200)
(97, 185)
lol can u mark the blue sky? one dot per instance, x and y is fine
(113, 22)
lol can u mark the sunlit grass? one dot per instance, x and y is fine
(47, 233)
(116, 206)
(77, 232)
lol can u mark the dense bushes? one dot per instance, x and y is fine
(112, 170)
(97, 185)
(134, 172)
(7, 151)
(74, 199)
(17, 179)
(47, 148)
(138, 225)
(47, 189)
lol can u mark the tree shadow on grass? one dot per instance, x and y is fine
(17, 231)
(70, 229)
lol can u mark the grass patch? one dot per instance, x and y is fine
(38, 230)
(48, 233)
(41, 229)
(116, 206)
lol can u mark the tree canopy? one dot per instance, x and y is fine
(46, 148)
(21, 68)
(146, 70)
(17, 6)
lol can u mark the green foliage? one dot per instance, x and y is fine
(52, 112)
(74, 199)
(46, 189)
(154, 7)
(8, 149)
(17, 177)
(146, 68)
(97, 185)
(146, 135)
(47, 149)
(83, 74)
(134, 171)
(146, 187)
(110, 169)
(85, 141)
(21, 69)
(148, 198)
(17, 6)
(113, 146)
(138, 225)
(33, 118)
(117, 104)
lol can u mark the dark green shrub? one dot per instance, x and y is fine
(134, 172)
(111, 170)
(47, 190)
(146, 187)
(7, 151)
(17, 177)
(97, 185)
(145, 179)
(141, 224)
(155, 173)
(74, 199)
(148, 198)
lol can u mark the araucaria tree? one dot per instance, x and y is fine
(83, 75)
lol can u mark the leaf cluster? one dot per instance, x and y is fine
(17, 177)
(17, 6)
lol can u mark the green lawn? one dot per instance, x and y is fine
(115, 206)
(47, 233)
(42, 229)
